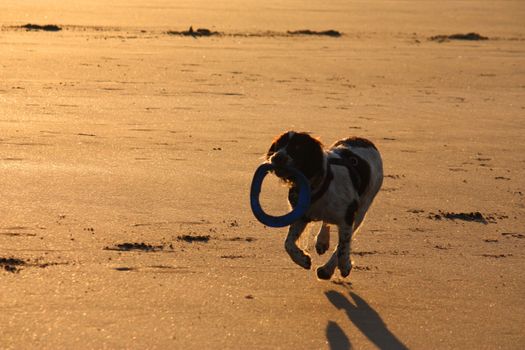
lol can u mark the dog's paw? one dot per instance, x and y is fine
(307, 262)
(321, 247)
(323, 273)
(345, 268)
(302, 259)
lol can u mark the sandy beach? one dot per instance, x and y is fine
(127, 152)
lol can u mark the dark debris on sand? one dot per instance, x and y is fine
(204, 32)
(472, 216)
(126, 247)
(194, 33)
(513, 234)
(331, 32)
(469, 36)
(246, 239)
(11, 264)
(196, 238)
(496, 256)
(46, 27)
(124, 268)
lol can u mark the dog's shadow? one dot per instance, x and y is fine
(364, 317)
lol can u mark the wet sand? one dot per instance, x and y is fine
(126, 155)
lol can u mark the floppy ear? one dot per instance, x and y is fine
(283, 138)
(315, 164)
(272, 149)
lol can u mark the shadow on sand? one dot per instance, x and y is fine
(337, 339)
(363, 317)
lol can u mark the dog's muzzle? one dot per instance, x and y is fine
(279, 159)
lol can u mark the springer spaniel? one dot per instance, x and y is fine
(344, 180)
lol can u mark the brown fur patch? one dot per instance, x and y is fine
(355, 142)
(307, 154)
(358, 168)
(277, 143)
(306, 151)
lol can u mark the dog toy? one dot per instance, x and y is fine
(298, 211)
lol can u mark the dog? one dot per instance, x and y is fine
(344, 180)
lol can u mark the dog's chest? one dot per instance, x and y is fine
(332, 205)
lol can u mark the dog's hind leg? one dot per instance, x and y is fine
(290, 244)
(343, 249)
(360, 213)
(340, 257)
(345, 238)
(323, 239)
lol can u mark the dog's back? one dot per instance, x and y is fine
(366, 163)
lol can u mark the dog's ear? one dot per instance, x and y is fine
(272, 149)
(279, 142)
(315, 163)
(307, 154)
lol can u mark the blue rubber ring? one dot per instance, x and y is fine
(285, 220)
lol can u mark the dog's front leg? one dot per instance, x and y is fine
(297, 254)
(323, 239)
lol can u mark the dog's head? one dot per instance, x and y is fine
(298, 150)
